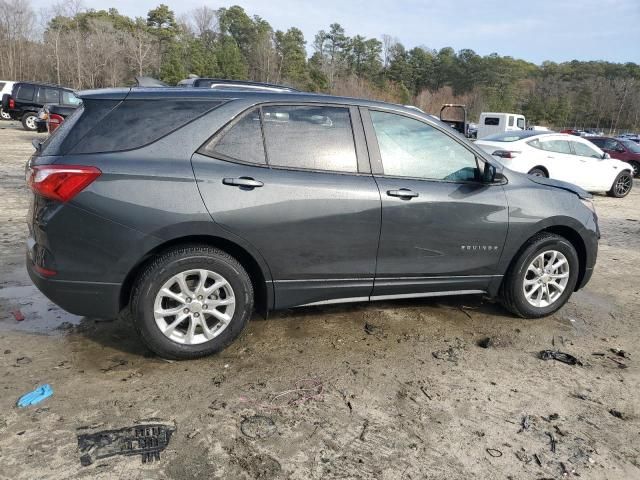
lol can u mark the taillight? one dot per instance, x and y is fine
(12, 104)
(54, 122)
(61, 182)
(505, 154)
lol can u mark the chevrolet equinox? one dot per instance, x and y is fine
(189, 208)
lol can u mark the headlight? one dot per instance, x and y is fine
(589, 204)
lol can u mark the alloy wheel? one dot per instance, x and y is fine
(194, 306)
(623, 185)
(4, 115)
(546, 278)
(31, 122)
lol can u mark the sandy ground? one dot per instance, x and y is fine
(385, 391)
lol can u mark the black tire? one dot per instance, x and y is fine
(512, 294)
(636, 168)
(538, 172)
(622, 185)
(4, 115)
(29, 121)
(172, 262)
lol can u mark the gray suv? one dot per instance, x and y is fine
(191, 208)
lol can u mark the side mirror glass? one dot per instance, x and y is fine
(606, 156)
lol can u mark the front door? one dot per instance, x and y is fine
(309, 205)
(442, 229)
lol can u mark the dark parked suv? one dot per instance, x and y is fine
(189, 208)
(27, 98)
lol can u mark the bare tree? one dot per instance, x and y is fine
(205, 20)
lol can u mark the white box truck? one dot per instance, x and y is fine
(492, 122)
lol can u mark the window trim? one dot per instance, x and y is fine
(375, 156)
(357, 131)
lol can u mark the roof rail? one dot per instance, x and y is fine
(222, 84)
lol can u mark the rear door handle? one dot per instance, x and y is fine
(402, 193)
(246, 182)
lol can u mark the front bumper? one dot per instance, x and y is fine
(88, 299)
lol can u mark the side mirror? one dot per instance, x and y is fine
(606, 156)
(489, 173)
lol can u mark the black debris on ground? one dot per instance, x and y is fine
(559, 356)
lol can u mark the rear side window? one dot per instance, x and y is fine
(598, 141)
(241, 141)
(136, 123)
(558, 146)
(511, 120)
(310, 137)
(48, 95)
(26, 92)
(493, 121)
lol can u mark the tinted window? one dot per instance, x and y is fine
(318, 138)
(69, 98)
(598, 141)
(136, 123)
(241, 141)
(410, 148)
(585, 150)
(558, 146)
(48, 95)
(632, 146)
(492, 121)
(26, 92)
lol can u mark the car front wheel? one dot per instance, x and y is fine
(636, 168)
(191, 302)
(622, 185)
(542, 278)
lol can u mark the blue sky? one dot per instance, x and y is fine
(534, 30)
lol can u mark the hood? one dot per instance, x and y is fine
(550, 182)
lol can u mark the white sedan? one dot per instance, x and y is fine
(562, 157)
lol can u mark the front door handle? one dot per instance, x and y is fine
(402, 193)
(246, 182)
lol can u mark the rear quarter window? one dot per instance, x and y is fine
(492, 121)
(137, 123)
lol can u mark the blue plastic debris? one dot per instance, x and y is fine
(33, 398)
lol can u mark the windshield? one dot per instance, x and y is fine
(511, 136)
(631, 146)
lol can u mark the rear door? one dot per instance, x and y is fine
(442, 229)
(293, 180)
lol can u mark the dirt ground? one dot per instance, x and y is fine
(397, 390)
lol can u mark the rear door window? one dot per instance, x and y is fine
(48, 95)
(241, 141)
(26, 93)
(309, 137)
(558, 146)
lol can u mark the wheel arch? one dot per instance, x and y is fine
(564, 231)
(541, 167)
(257, 270)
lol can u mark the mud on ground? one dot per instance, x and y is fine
(384, 391)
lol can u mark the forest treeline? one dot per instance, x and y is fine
(73, 46)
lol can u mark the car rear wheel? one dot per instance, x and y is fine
(538, 172)
(29, 122)
(542, 278)
(191, 302)
(622, 185)
(4, 115)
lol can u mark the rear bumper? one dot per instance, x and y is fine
(89, 299)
